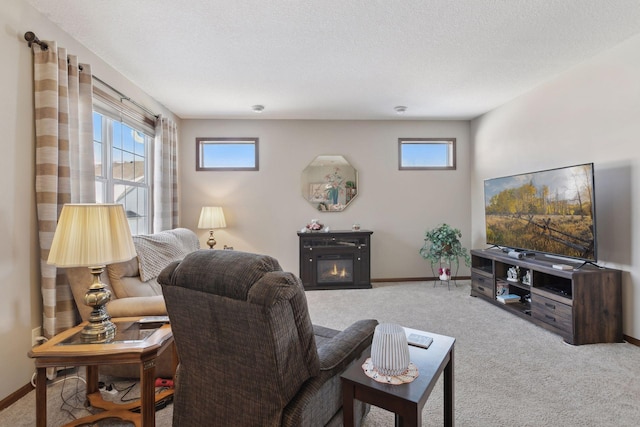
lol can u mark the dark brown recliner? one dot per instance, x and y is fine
(249, 355)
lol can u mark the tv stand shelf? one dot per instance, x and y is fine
(583, 305)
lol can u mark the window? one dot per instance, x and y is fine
(232, 154)
(122, 168)
(426, 153)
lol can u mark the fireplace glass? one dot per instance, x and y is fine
(335, 269)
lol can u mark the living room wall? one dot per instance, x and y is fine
(265, 209)
(588, 114)
(21, 302)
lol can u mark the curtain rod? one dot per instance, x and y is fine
(124, 97)
(31, 38)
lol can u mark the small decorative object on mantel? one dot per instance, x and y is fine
(314, 225)
(389, 362)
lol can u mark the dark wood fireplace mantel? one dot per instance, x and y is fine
(335, 260)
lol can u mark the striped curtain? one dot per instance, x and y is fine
(64, 165)
(165, 181)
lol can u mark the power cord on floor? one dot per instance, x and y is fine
(76, 400)
(126, 391)
(50, 383)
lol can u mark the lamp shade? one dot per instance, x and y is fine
(211, 217)
(90, 235)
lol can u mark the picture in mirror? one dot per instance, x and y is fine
(329, 183)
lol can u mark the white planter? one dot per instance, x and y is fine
(389, 349)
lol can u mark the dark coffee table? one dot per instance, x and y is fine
(405, 400)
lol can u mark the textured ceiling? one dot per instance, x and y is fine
(341, 59)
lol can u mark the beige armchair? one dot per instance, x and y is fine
(249, 354)
(136, 292)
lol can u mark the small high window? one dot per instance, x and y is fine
(230, 154)
(426, 153)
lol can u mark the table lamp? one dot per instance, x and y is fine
(93, 235)
(211, 217)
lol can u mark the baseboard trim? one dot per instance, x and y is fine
(15, 396)
(416, 279)
(631, 340)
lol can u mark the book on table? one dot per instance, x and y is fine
(418, 340)
(508, 299)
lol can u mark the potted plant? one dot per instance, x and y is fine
(442, 244)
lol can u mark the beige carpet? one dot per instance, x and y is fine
(508, 372)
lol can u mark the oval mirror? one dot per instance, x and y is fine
(329, 183)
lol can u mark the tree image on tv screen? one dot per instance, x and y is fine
(549, 211)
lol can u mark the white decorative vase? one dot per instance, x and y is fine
(389, 349)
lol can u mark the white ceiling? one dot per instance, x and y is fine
(341, 59)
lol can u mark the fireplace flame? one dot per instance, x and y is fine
(334, 271)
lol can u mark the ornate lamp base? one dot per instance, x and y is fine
(211, 242)
(100, 327)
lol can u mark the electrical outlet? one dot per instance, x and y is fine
(35, 334)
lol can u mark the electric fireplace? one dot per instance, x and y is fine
(335, 260)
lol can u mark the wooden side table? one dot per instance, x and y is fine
(134, 343)
(405, 400)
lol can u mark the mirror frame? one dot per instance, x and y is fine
(329, 183)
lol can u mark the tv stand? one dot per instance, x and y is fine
(583, 305)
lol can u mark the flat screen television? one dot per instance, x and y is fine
(550, 212)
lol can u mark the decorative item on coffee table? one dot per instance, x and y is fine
(389, 362)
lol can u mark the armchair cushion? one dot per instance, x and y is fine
(228, 273)
(126, 280)
(280, 286)
(137, 306)
(156, 251)
(322, 394)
